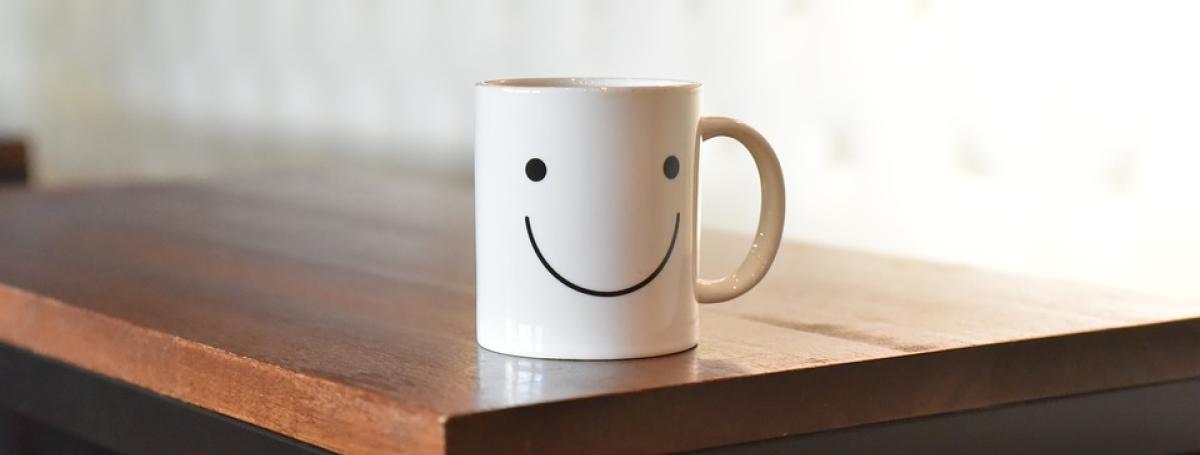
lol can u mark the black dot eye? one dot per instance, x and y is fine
(535, 169)
(671, 167)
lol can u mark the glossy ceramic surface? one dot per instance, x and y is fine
(586, 196)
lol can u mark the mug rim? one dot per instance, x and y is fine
(588, 84)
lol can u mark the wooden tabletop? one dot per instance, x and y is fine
(340, 311)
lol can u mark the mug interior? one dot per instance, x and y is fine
(590, 83)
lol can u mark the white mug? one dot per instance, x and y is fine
(585, 216)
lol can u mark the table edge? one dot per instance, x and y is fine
(101, 344)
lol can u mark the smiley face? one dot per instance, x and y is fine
(536, 170)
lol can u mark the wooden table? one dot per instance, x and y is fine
(337, 313)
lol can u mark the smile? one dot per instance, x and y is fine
(568, 283)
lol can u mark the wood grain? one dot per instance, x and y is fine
(340, 311)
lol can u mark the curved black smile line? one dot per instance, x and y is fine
(594, 292)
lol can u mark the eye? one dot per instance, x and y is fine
(535, 169)
(671, 167)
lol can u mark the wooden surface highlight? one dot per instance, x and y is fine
(340, 311)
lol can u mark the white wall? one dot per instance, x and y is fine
(14, 67)
(1057, 138)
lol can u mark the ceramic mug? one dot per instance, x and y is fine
(585, 216)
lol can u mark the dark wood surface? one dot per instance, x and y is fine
(51, 407)
(339, 311)
(1159, 418)
(55, 408)
(14, 160)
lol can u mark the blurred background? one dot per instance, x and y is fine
(1042, 137)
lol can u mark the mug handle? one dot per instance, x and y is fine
(770, 215)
